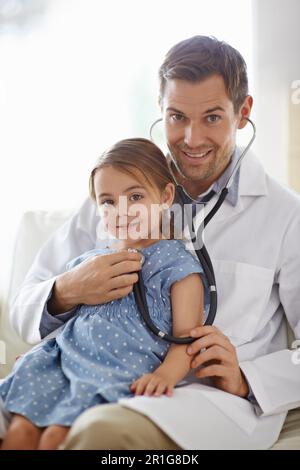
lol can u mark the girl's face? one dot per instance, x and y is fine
(129, 210)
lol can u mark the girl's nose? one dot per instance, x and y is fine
(122, 207)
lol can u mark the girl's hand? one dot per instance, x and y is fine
(152, 384)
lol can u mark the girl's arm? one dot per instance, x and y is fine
(187, 308)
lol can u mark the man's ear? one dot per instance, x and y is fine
(160, 103)
(245, 111)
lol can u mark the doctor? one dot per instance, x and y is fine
(254, 245)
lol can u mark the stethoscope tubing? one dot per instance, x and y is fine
(203, 257)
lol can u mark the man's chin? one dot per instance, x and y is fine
(194, 175)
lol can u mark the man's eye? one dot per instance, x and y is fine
(213, 118)
(136, 197)
(177, 117)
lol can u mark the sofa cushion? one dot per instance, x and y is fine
(34, 229)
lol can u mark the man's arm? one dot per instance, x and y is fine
(28, 308)
(275, 377)
(275, 382)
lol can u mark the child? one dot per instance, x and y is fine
(105, 351)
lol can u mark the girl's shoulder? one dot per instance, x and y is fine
(166, 247)
(168, 254)
(168, 262)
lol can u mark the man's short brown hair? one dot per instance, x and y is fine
(199, 57)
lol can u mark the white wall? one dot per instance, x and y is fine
(276, 61)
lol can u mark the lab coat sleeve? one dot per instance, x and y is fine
(76, 236)
(49, 322)
(275, 378)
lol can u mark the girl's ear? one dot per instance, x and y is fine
(168, 194)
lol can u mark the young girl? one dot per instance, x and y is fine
(105, 351)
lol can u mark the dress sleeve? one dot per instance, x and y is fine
(182, 264)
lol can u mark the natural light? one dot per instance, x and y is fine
(78, 75)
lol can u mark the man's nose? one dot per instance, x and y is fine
(194, 135)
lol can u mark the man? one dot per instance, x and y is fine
(253, 241)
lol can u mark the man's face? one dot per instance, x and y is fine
(200, 125)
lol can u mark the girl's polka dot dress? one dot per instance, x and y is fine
(99, 352)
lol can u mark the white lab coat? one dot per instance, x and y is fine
(255, 251)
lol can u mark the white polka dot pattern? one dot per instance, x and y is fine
(102, 349)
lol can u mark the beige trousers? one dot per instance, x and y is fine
(111, 427)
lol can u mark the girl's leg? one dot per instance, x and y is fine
(22, 434)
(52, 437)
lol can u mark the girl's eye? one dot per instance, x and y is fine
(213, 118)
(110, 202)
(107, 202)
(136, 197)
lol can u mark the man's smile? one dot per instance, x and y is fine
(194, 158)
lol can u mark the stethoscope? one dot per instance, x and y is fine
(202, 253)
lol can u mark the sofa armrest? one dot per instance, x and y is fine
(34, 229)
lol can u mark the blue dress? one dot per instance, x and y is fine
(99, 352)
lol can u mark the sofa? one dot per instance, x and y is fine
(34, 229)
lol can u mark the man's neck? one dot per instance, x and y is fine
(193, 188)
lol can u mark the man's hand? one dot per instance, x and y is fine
(153, 384)
(99, 279)
(219, 361)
